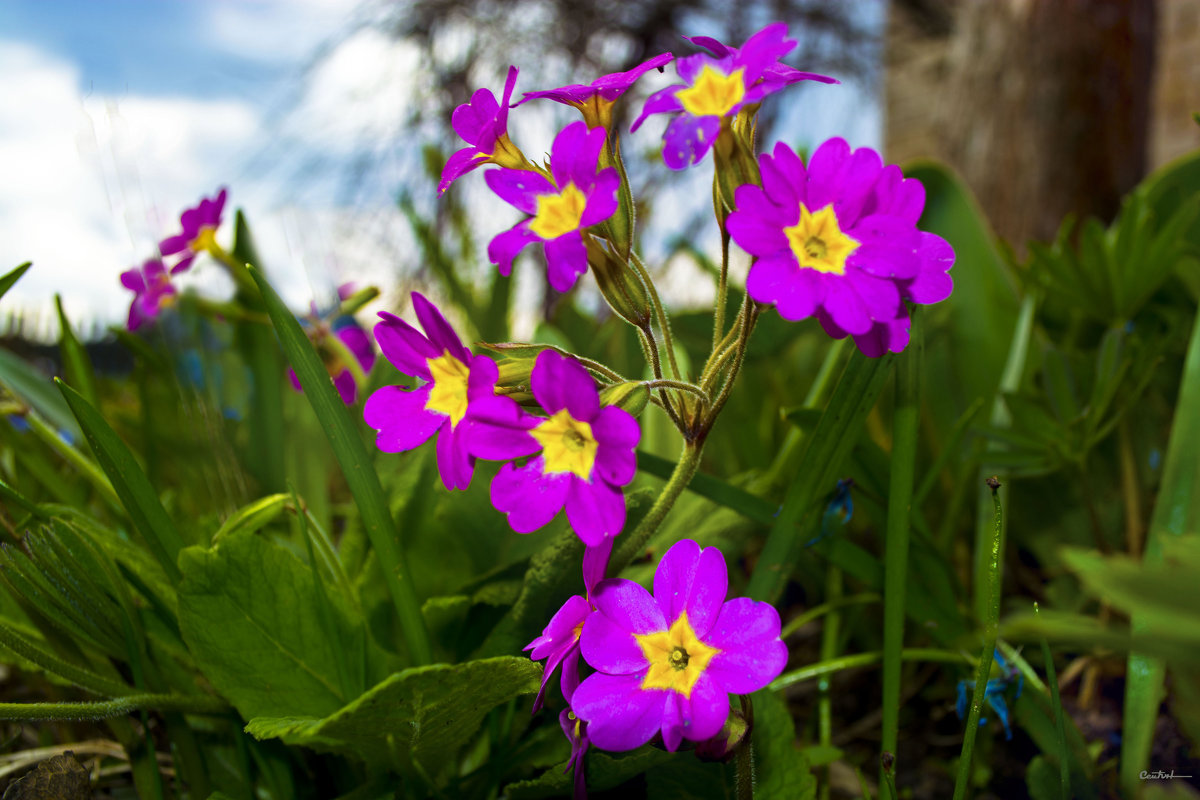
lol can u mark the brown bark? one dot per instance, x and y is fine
(1042, 105)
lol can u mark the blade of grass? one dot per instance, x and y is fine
(824, 452)
(76, 363)
(150, 519)
(12, 276)
(1064, 767)
(899, 511)
(355, 461)
(990, 628)
(1176, 511)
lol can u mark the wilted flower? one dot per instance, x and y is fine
(669, 661)
(455, 381)
(595, 99)
(577, 197)
(152, 292)
(482, 124)
(198, 235)
(586, 452)
(716, 89)
(838, 239)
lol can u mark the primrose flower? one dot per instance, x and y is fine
(576, 198)
(455, 381)
(595, 99)
(716, 89)
(355, 342)
(559, 642)
(199, 229)
(838, 239)
(586, 452)
(482, 124)
(152, 292)
(668, 661)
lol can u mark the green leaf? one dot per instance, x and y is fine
(603, 772)
(141, 502)
(12, 276)
(692, 779)
(421, 715)
(252, 516)
(246, 611)
(781, 769)
(356, 465)
(76, 362)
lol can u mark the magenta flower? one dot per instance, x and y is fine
(152, 292)
(575, 730)
(838, 240)
(716, 89)
(586, 452)
(595, 99)
(356, 341)
(199, 229)
(559, 642)
(577, 198)
(482, 124)
(456, 380)
(669, 662)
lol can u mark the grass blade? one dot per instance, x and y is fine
(76, 363)
(355, 461)
(12, 276)
(132, 486)
(1064, 766)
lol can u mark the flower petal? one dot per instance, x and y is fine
(455, 463)
(629, 606)
(575, 154)
(620, 715)
(519, 188)
(528, 496)
(404, 346)
(691, 580)
(566, 260)
(697, 717)
(752, 654)
(560, 382)
(661, 102)
(497, 429)
(400, 418)
(458, 164)
(609, 647)
(438, 330)
(688, 139)
(602, 199)
(595, 510)
(595, 563)
(824, 172)
(504, 247)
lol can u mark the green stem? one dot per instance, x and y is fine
(237, 269)
(900, 489)
(829, 647)
(117, 707)
(52, 664)
(681, 385)
(1064, 768)
(924, 654)
(664, 323)
(689, 462)
(650, 347)
(990, 626)
(722, 291)
(90, 469)
(748, 318)
(745, 771)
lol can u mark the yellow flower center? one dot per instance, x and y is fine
(819, 243)
(567, 444)
(558, 213)
(677, 657)
(449, 393)
(713, 94)
(205, 241)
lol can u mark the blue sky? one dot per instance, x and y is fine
(116, 115)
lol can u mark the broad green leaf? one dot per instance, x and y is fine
(10, 278)
(604, 772)
(141, 502)
(32, 387)
(421, 715)
(692, 779)
(781, 769)
(356, 465)
(247, 610)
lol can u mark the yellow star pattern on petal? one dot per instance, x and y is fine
(819, 243)
(558, 213)
(449, 392)
(677, 657)
(713, 94)
(567, 445)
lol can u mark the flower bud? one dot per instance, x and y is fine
(724, 745)
(515, 362)
(621, 286)
(630, 396)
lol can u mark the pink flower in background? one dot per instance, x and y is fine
(199, 226)
(152, 292)
(358, 343)
(483, 125)
(668, 662)
(585, 452)
(578, 196)
(595, 99)
(455, 380)
(838, 239)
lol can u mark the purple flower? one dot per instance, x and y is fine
(356, 341)
(482, 124)
(716, 89)
(199, 229)
(838, 240)
(559, 642)
(152, 292)
(455, 381)
(586, 452)
(668, 662)
(575, 730)
(595, 99)
(577, 197)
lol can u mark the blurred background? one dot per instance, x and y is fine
(326, 118)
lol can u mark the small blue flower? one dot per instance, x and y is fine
(994, 693)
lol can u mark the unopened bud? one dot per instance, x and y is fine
(621, 286)
(630, 396)
(515, 361)
(724, 745)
